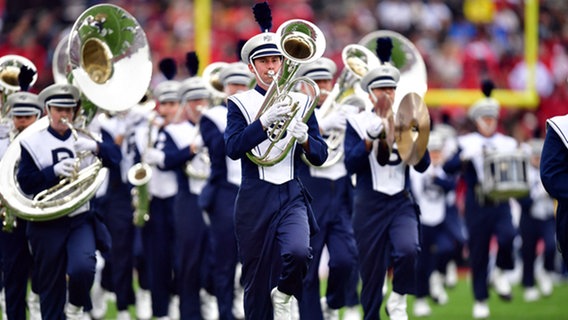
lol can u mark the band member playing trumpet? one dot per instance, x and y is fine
(273, 218)
(218, 195)
(385, 217)
(63, 247)
(25, 109)
(485, 217)
(331, 189)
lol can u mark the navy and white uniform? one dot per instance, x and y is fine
(190, 230)
(273, 217)
(553, 174)
(218, 200)
(483, 216)
(332, 190)
(431, 189)
(115, 205)
(64, 246)
(385, 216)
(16, 263)
(536, 223)
(158, 234)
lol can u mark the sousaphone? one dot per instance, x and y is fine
(109, 60)
(411, 117)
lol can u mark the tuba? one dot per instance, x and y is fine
(300, 42)
(410, 119)
(107, 52)
(357, 60)
(10, 67)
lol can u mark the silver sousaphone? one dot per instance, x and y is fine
(411, 117)
(109, 60)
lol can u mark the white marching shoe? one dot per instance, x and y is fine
(545, 283)
(143, 304)
(209, 307)
(73, 312)
(531, 294)
(437, 290)
(480, 310)
(451, 279)
(352, 313)
(328, 313)
(281, 305)
(501, 284)
(421, 308)
(173, 308)
(34, 309)
(123, 315)
(396, 306)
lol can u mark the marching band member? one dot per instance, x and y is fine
(218, 195)
(191, 233)
(485, 217)
(331, 189)
(273, 218)
(62, 247)
(385, 216)
(158, 233)
(431, 189)
(553, 174)
(115, 205)
(537, 222)
(25, 109)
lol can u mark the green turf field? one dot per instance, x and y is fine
(460, 305)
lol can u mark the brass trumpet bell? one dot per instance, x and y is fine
(412, 128)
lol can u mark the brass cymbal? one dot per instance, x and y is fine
(412, 128)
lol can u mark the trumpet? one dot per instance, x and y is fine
(300, 42)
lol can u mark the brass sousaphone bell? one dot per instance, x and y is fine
(411, 116)
(109, 60)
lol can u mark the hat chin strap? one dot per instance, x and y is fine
(259, 77)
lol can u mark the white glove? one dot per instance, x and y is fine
(85, 144)
(154, 157)
(375, 128)
(5, 129)
(64, 168)
(299, 130)
(275, 113)
(336, 121)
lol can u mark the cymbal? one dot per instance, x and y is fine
(412, 128)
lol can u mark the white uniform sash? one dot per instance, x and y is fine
(388, 179)
(249, 102)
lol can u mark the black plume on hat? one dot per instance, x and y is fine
(384, 49)
(168, 68)
(263, 16)
(191, 63)
(25, 77)
(239, 48)
(487, 87)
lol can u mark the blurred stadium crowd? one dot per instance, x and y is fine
(458, 47)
